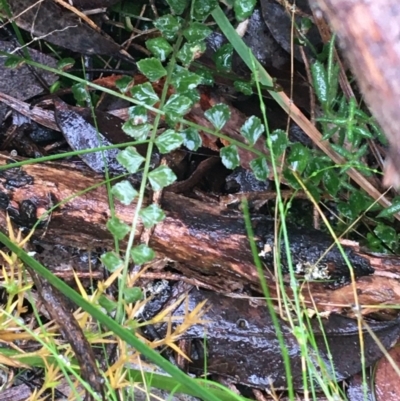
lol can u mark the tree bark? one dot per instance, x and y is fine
(369, 32)
(208, 243)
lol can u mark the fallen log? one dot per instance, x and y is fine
(208, 243)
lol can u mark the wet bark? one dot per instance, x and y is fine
(209, 243)
(369, 33)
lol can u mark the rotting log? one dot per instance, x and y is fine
(30, 191)
(208, 243)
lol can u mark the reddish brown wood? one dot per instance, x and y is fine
(209, 244)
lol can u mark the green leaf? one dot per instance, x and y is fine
(130, 159)
(331, 180)
(252, 129)
(178, 104)
(291, 179)
(244, 87)
(132, 295)
(152, 68)
(124, 84)
(207, 77)
(111, 261)
(144, 93)
(299, 157)
(159, 47)
(201, 9)
(184, 80)
(151, 215)
(362, 132)
(124, 192)
(230, 156)
(196, 32)
(218, 115)
(375, 244)
(55, 87)
(138, 115)
(191, 138)
(161, 177)
(168, 141)
(394, 208)
(320, 82)
(190, 52)
(278, 141)
(178, 6)
(14, 61)
(117, 228)
(142, 254)
(243, 8)
(260, 168)
(347, 154)
(80, 92)
(359, 202)
(66, 63)
(169, 26)
(223, 58)
(139, 132)
(108, 304)
(387, 235)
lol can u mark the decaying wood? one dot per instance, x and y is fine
(369, 33)
(209, 244)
